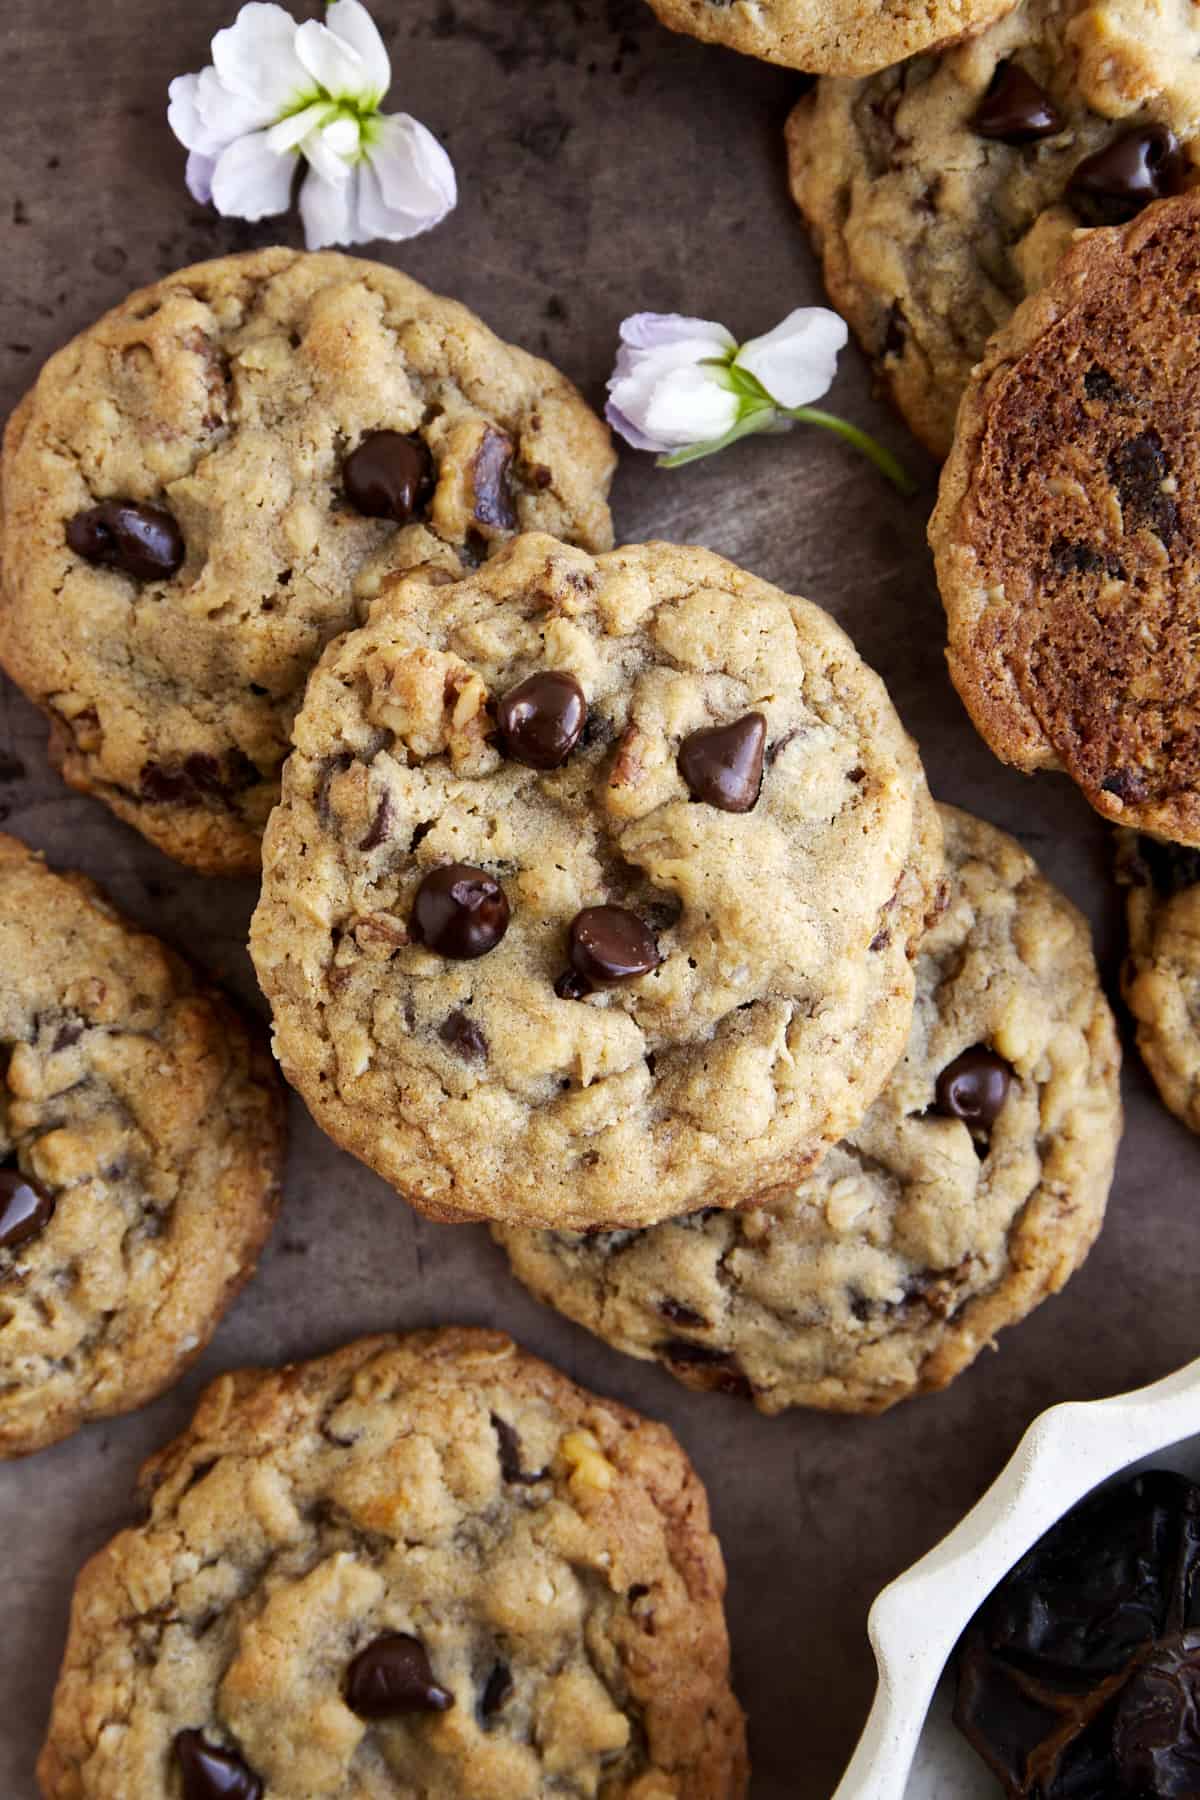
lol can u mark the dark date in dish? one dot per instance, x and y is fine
(1079, 1677)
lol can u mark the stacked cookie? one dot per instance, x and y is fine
(603, 899)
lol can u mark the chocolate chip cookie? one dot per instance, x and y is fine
(206, 486)
(1161, 974)
(1072, 597)
(141, 1148)
(592, 888)
(423, 1565)
(943, 192)
(829, 37)
(973, 1188)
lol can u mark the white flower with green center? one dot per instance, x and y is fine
(686, 388)
(277, 93)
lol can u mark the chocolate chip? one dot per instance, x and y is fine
(721, 1370)
(1067, 558)
(380, 827)
(331, 768)
(510, 1454)
(25, 1208)
(610, 944)
(389, 476)
(200, 776)
(722, 765)
(542, 718)
(496, 1690)
(393, 1676)
(1015, 108)
(212, 1774)
(570, 986)
(974, 1087)
(1098, 384)
(68, 1033)
(1129, 785)
(493, 500)
(1138, 468)
(464, 1036)
(459, 911)
(1116, 182)
(679, 1314)
(142, 541)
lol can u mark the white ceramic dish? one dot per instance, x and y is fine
(909, 1749)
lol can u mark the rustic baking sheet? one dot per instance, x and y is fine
(605, 166)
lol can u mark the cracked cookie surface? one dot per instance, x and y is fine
(170, 650)
(1161, 973)
(930, 232)
(928, 1229)
(426, 1564)
(141, 1149)
(828, 37)
(775, 989)
(1073, 612)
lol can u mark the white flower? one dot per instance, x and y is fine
(277, 93)
(685, 388)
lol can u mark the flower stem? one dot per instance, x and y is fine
(870, 447)
(757, 420)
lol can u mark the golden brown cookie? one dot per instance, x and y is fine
(973, 1188)
(1161, 973)
(141, 1141)
(423, 1565)
(942, 192)
(206, 486)
(592, 889)
(1067, 531)
(829, 37)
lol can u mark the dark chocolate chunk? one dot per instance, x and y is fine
(1126, 784)
(510, 1453)
(463, 1035)
(720, 1367)
(459, 911)
(389, 476)
(393, 1676)
(974, 1087)
(142, 541)
(542, 718)
(493, 498)
(1138, 468)
(496, 1690)
(68, 1033)
(199, 776)
(1099, 385)
(1115, 183)
(381, 825)
(722, 765)
(610, 944)
(1015, 108)
(679, 1314)
(1156, 1730)
(213, 1774)
(25, 1208)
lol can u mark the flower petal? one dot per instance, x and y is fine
(688, 407)
(199, 176)
(628, 430)
(182, 114)
(225, 115)
(652, 331)
(250, 180)
(415, 177)
(333, 64)
(329, 210)
(295, 127)
(350, 20)
(797, 361)
(332, 151)
(256, 59)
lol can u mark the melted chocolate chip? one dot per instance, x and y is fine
(721, 1370)
(212, 1774)
(610, 944)
(493, 499)
(510, 1453)
(1126, 784)
(199, 777)
(389, 476)
(1138, 468)
(974, 1087)
(393, 1676)
(459, 912)
(723, 764)
(25, 1208)
(1015, 108)
(381, 825)
(463, 1035)
(1067, 558)
(496, 1691)
(679, 1314)
(68, 1033)
(142, 541)
(1116, 182)
(542, 718)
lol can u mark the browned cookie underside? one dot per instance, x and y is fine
(1067, 529)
